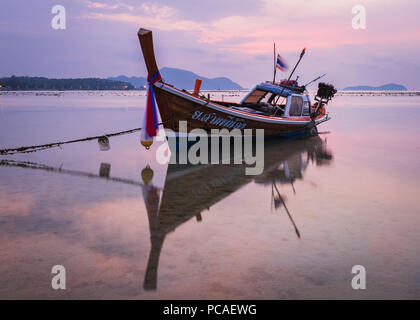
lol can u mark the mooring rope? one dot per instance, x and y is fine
(41, 147)
(39, 166)
(29, 149)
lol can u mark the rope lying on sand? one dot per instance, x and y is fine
(40, 147)
(60, 143)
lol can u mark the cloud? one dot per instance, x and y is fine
(158, 17)
(293, 24)
(92, 4)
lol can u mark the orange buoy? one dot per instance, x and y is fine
(146, 143)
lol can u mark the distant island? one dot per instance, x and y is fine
(183, 79)
(40, 83)
(385, 87)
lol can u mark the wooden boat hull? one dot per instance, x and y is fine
(207, 115)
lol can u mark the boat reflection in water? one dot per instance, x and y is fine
(191, 189)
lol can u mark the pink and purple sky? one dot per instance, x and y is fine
(231, 38)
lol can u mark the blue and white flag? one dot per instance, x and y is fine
(281, 63)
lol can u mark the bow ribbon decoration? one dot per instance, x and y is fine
(150, 120)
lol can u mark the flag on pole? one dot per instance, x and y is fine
(150, 126)
(281, 63)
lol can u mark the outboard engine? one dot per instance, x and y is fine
(325, 92)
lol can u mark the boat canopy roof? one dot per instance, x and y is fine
(273, 88)
(260, 90)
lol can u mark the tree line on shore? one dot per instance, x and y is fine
(41, 83)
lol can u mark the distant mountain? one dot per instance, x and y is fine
(41, 83)
(389, 86)
(184, 79)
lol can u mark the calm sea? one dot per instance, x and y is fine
(124, 226)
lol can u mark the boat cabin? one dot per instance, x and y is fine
(276, 100)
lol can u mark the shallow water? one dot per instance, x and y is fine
(125, 226)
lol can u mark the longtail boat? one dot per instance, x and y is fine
(282, 109)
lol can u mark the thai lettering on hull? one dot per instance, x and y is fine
(212, 118)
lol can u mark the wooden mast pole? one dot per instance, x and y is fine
(274, 77)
